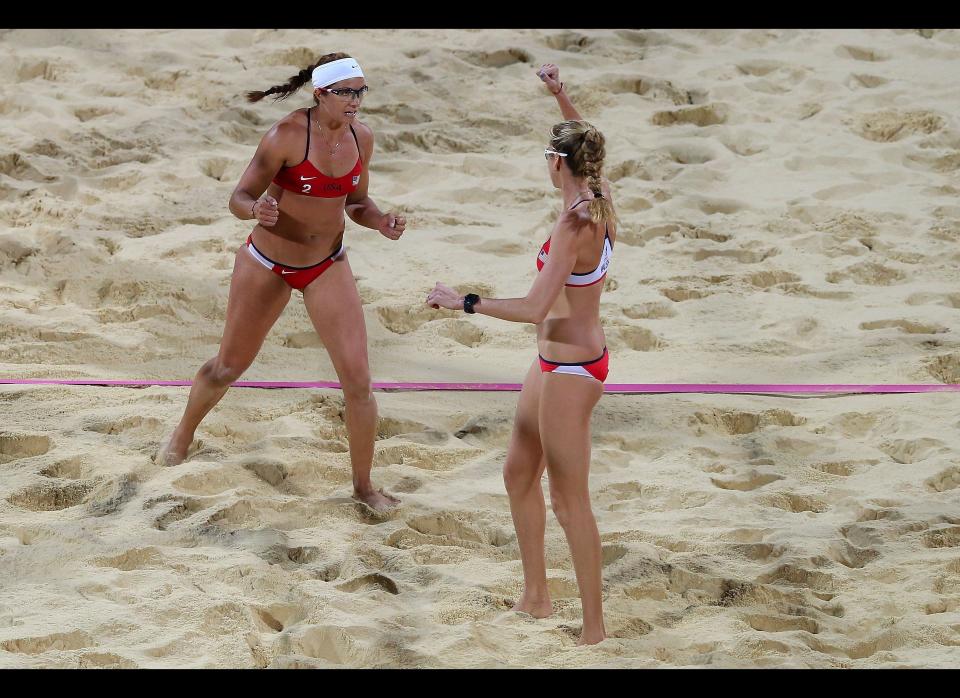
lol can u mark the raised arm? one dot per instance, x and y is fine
(550, 74)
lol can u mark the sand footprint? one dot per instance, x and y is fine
(742, 256)
(690, 153)
(726, 206)
(841, 468)
(638, 339)
(945, 368)
(908, 326)
(911, 450)
(867, 273)
(141, 424)
(29, 69)
(309, 558)
(14, 252)
(278, 616)
(373, 580)
(389, 427)
(866, 80)
(631, 629)
(761, 552)
(66, 469)
(462, 332)
(794, 503)
(495, 59)
(180, 508)
(221, 169)
(405, 319)
(944, 480)
(849, 555)
(500, 247)
(770, 623)
(274, 472)
(679, 294)
(105, 660)
(760, 67)
(746, 482)
(766, 279)
(860, 53)
(15, 446)
(628, 168)
(567, 41)
(649, 311)
(76, 639)
(703, 115)
(420, 456)
(795, 575)
(461, 529)
(891, 125)
(654, 88)
(208, 482)
(737, 422)
(52, 497)
(88, 113)
(942, 538)
(133, 559)
(111, 494)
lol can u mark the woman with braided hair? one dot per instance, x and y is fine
(551, 429)
(310, 168)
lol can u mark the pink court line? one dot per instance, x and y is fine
(621, 388)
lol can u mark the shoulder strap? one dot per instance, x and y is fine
(359, 151)
(306, 153)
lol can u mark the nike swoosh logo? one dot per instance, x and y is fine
(304, 179)
(284, 271)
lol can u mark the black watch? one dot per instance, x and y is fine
(468, 301)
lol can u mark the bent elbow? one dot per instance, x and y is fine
(538, 315)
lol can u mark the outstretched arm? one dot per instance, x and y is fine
(533, 307)
(550, 74)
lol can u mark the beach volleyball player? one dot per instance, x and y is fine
(552, 424)
(310, 169)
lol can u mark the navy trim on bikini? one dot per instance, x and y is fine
(287, 266)
(576, 363)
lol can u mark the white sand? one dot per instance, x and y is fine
(789, 209)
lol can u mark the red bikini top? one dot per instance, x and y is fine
(306, 179)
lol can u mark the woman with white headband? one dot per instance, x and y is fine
(311, 167)
(551, 428)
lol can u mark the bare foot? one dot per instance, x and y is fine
(174, 450)
(538, 608)
(378, 500)
(591, 638)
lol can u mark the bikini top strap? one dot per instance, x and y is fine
(357, 142)
(578, 203)
(306, 154)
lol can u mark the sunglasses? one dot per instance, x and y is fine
(549, 151)
(346, 93)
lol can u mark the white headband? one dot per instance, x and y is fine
(335, 71)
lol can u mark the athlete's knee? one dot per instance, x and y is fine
(222, 373)
(568, 507)
(357, 387)
(519, 477)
